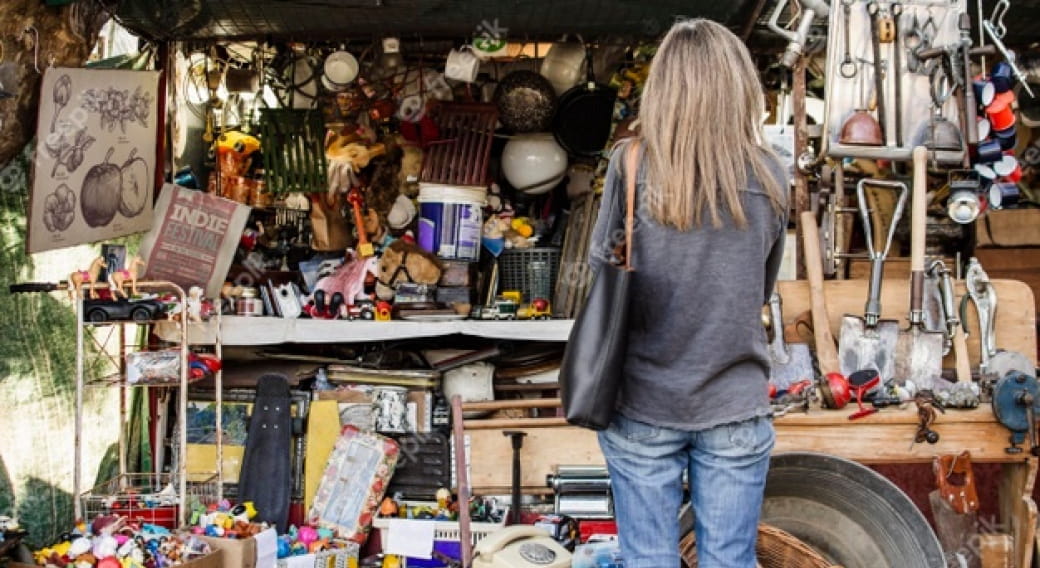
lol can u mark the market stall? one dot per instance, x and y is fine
(368, 211)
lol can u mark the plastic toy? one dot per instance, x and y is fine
(502, 308)
(89, 276)
(118, 278)
(122, 309)
(538, 309)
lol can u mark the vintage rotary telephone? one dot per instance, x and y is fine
(520, 546)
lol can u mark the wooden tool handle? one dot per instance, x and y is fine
(918, 228)
(364, 247)
(826, 350)
(960, 352)
(919, 208)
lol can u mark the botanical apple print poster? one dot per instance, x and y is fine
(94, 169)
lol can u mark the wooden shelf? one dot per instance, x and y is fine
(239, 330)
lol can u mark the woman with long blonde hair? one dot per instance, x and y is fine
(711, 216)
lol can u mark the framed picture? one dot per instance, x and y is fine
(115, 259)
(94, 169)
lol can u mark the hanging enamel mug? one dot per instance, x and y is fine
(1001, 115)
(1003, 194)
(986, 172)
(984, 91)
(983, 127)
(1008, 168)
(462, 65)
(1001, 77)
(1007, 138)
(339, 70)
(989, 151)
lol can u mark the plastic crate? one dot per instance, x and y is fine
(148, 497)
(346, 557)
(447, 530)
(533, 271)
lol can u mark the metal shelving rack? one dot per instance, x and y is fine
(132, 482)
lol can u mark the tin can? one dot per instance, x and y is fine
(249, 303)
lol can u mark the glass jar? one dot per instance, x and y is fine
(249, 303)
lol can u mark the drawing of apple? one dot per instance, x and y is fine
(99, 199)
(135, 189)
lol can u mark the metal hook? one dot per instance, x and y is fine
(996, 19)
(36, 46)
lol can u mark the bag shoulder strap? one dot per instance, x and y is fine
(631, 173)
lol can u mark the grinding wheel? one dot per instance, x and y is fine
(847, 512)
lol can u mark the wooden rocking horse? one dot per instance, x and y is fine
(119, 278)
(89, 276)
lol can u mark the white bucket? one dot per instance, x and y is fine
(451, 220)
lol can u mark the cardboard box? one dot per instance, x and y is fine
(215, 560)
(1008, 228)
(1015, 264)
(238, 552)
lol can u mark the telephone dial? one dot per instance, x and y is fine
(520, 546)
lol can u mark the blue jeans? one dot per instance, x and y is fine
(727, 474)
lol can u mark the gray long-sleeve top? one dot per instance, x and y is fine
(697, 351)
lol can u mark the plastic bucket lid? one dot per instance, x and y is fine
(444, 193)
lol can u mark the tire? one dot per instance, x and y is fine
(97, 315)
(141, 314)
(368, 315)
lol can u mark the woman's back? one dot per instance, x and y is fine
(697, 350)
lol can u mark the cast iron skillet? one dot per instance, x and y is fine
(583, 115)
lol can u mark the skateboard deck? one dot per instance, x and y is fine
(266, 473)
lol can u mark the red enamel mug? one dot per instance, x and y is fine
(1001, 116)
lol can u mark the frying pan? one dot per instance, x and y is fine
(583, 115)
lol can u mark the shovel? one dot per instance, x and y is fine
(869, 342)
(791, 362)
(919, 351)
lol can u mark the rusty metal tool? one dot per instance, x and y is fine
(877, 26)
(897, 71)
(965, 392)
(791, 362)
(869, 342)
(919, 351)
(994, 363)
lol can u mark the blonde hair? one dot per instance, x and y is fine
(701, 112)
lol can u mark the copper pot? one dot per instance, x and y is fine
(861, 129)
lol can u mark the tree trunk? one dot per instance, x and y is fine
(67, 36)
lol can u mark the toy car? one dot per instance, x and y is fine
(361, 309)
(501, 309)
(100, 311)
(538, 309)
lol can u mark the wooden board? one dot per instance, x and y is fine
(1013, 263)
(881, 438)
(1015, 322)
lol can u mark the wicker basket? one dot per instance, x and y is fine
(775, 549)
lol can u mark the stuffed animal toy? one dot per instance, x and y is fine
(403, 261)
